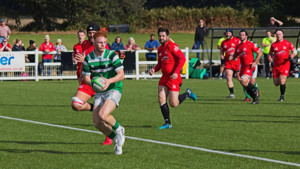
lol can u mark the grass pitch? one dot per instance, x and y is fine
(267, 130)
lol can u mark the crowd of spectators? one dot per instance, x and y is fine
(47, 46)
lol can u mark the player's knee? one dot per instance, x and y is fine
(174, 103)
(77, 103)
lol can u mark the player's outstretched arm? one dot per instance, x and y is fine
(87, 79)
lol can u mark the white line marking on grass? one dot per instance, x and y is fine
(161, 142)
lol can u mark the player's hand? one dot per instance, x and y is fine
(151, 72)
(107, 82)
(174, 76)
(253, 65)
(79, 57)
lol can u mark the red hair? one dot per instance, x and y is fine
(99, 34)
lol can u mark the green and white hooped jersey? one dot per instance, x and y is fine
(105, 65)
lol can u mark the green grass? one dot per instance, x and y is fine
(268, 130)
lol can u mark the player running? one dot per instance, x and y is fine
(244, 51)
(170, 62)
(281, 50)
(105, 63)
(85, 92)
(231, 66)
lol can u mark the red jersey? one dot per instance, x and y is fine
(88, 47)
(44, 47)
(281, 52)
(170, 59)
(78, 49)
(228, 46)
(8, 45)
(245, 52)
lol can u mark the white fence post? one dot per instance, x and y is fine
(36, 70)
(137, 69)
(187, 62)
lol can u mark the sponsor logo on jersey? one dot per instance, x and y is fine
(164, 58)
(176, 48)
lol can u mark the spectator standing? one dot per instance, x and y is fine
(201, 31)
(5, 47)
(131, 46)
(31, 57)
(117, 45)
(18, 48)
(4, 30)
(274, 23)
(266, 43)
(57, 57)
(47, 47)
(151, 45)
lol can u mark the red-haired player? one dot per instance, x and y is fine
(85, 91)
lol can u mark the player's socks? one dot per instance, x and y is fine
(246, 93)
(231, 90)
(116, 126)
(282, 89)
(182, 97)
(92, 106)
(250, 90)
(112, 135)
(166, 113)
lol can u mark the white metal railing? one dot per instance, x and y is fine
(138, 73)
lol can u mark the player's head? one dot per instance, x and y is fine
(100, 39)
(229, 33)
(243, 35)
(81, 35)
(279, 34)
(152, 37)
(118, 39)
(201, 22)
(163, 35)
(268, 32)
(91, 29)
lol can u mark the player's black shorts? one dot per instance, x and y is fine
(222, 61)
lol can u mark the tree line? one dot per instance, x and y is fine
(53, 15)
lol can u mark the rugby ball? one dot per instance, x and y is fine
(98, 84)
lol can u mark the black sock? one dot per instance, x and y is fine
(231, 90)
(166, 113)
(282, 89)
(92, 106)
(250, 90)
(182, 97)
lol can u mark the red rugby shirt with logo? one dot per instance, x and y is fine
(245, 52)
(228, 46)
(281, 52)
(170, 59)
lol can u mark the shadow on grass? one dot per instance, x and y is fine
(143, 126)
(39, 142)
(269, 116)
(257, 121)
(49, 151)
(30, 105)
(262, 151)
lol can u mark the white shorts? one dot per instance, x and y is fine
(113, 95)
(254, 75)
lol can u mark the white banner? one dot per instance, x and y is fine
(12, 62)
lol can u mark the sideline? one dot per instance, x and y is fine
(160, 142)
